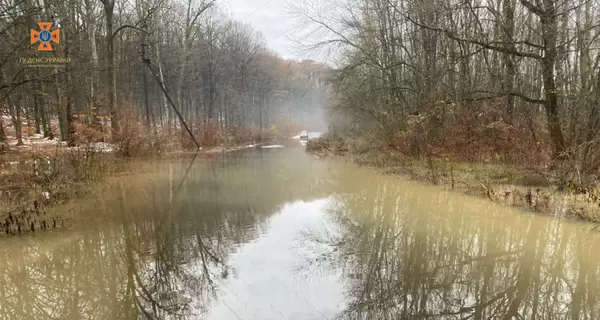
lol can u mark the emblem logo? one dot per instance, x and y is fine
(45, 36)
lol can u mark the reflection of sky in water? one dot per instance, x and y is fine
(267, 284)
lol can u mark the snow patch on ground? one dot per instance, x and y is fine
(42, 141)
(96, 147)
(36, 140)
(273, 146)
(103, 147)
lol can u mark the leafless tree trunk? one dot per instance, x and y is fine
(109, 6)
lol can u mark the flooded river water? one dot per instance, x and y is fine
(276, 234)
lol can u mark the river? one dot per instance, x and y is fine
(276, 234)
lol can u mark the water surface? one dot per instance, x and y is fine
(275, 234)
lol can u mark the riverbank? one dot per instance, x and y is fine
(34, 180)
(536, 189)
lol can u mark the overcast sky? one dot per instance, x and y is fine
(269, 18)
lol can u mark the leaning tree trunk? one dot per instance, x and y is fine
(165, 108)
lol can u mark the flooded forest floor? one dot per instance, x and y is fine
(43, 173)
(33, 184)
(541, 191)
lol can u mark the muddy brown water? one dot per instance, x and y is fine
(276, 234)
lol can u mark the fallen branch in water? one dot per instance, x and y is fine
(488, 192)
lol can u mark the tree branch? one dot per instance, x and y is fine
(201, 10)
(12, 86)
(485, 45)
(533, 8)
(499, 95)
(526, 99)
(525, 42)
(128, 26)
(14, 50)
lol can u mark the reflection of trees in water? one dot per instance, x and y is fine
(163, 255)
(140, 268)
(406, 258)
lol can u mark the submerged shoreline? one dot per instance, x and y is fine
(32, 184)
(511, 186)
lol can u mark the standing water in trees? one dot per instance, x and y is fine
(106, 214)
(276, 234)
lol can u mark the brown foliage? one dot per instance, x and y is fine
(28, 131)
(136, 139)
(211, 135)
(85, 134)
(207, 135)
(239, 135)
(478, 137)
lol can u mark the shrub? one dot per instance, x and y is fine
(207, 135)
(86, 134)
(239, 135)
(136, 139)
(28, 130)
(476, 137)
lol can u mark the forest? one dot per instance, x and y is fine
(102, 79)
(439, 86)
(504, 81)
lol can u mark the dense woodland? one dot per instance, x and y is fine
(219, 73)
(504, 80)
(516, 81)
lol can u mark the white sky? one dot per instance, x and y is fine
(270, 18)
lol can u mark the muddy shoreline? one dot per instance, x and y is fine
(531, 190)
